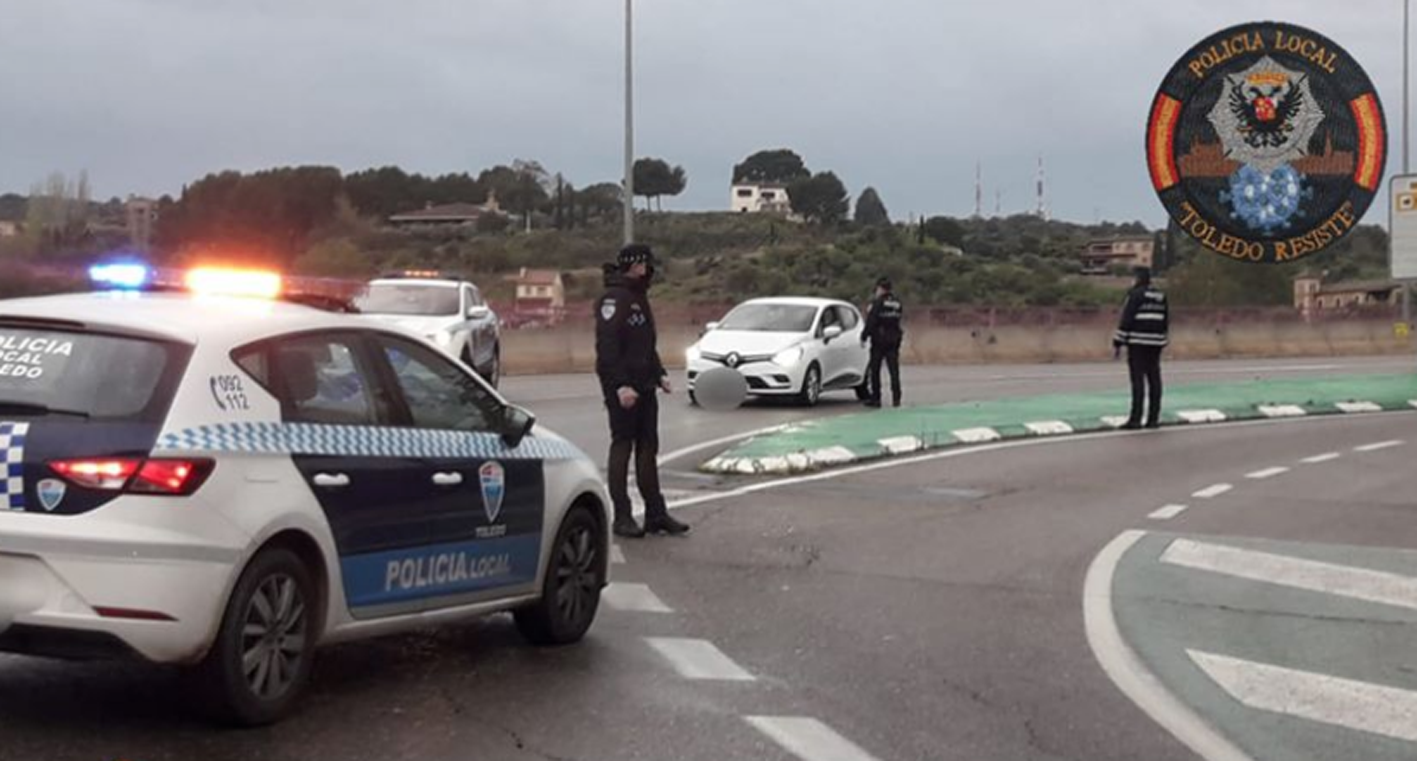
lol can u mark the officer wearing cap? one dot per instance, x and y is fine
(1144, 330)
(631, 373)
(885, 331)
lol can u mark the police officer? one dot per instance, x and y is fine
(627, 363)
(885, 332)
(1143, 329)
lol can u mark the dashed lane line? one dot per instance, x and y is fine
(698, 659)
(1318, 458)
(1373, 708)
(1379, 446)
(1213, 491)
(1261, 475)
(634, 598)
(1167, 513)
(1298, 573)
(808, 738)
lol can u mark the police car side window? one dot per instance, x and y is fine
(321, 379)
(848, 318)
(438, 394)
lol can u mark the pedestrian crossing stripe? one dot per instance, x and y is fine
(361, 441)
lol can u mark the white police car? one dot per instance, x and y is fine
(447, 310)
(227, 483)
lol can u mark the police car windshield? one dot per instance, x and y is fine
(413, 299)
(101, 377)
(773, 318)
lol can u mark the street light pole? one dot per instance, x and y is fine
(1406, 134)
(629, 183)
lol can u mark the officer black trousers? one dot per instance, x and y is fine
(890, 355)
(1144, 362)
(634, 432)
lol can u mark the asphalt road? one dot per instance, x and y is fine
(931, 608)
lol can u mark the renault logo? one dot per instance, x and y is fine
(732, 359)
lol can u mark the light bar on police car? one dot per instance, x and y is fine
(120, 275)
(210, 281)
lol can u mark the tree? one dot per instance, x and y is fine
(820, 198)
(519, 187)
(780, 166)
(599, 200)
(870, 211)
(654, 178)
(945, 230)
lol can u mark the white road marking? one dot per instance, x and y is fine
(976, 435)
(1357, 407)
(1127, 670)
(1167, 513)
(1212, 491)
(617, 555)
(1202, 416)
(1318, 458)
(701, 446)
(948, 454)
(1261, 475)
(698, 659)
(1310, 575)
(808, 739)
(1379, 445)
(1049, 428)
(1347, 703)
(636, 598)
(831, 456)
(1282, 410)
(902, 444)
(1114, 421)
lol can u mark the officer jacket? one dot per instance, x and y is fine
(625, 350)
(884, 322)
(1145, 319)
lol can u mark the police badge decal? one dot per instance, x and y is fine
(1266, 142)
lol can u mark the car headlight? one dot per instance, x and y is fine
(692, 353)
(788, 357)
(443, 338)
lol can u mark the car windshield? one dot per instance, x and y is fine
(409, 299)
(100, 377)
(771, 318)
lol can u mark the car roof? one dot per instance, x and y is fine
(805, 301)
(182, 317)
(430, 281)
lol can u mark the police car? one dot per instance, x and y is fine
(227, 482)
(447, 310)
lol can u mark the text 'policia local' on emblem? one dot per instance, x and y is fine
(1266, 142)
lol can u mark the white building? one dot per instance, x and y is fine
(761, 198)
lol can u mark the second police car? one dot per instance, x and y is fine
(227, 483)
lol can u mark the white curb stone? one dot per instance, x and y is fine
(1202, 416)
(1048, 428)
(902, 444)
(976, 435)
(1282, 410)
(1358, 407)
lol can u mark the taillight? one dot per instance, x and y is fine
(155, 476)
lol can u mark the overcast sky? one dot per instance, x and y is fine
(904, 95)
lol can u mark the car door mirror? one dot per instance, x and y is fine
(711, 326)
(831, 331)
(478, 312)
(517, 422)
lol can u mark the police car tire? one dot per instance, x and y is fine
(542, 622)
(221, 685)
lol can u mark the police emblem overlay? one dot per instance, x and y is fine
(1266, 142)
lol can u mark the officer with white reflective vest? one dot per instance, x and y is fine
(631, 373)
(1144, 330)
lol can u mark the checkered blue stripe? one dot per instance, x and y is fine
(12, 465)
(360, 441)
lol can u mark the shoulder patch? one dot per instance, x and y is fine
(607, 309)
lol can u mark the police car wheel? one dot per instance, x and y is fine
(811, 386)
(261, 660)
(570, 594)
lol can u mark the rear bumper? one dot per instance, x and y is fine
(92, 587)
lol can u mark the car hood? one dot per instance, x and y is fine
(423, 326)
(748, 342)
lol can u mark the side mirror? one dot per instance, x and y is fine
(831, 331)
(517, 422)
(478, 312)
(711, 326)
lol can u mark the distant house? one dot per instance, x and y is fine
(9, 229)
(448, 214)
(761, 198)
(1312, 294)
(140, 214)
(1100, 257)
(540, 293)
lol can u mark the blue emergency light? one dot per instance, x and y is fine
(124, 276)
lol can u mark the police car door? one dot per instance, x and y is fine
(369, 482)
(485, 517)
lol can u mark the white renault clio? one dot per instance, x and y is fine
(227, 483)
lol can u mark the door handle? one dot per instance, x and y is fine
(331, 480)
(447, 479)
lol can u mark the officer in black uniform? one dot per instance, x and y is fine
(1144, 330)
(627, 362)
(885, 332)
